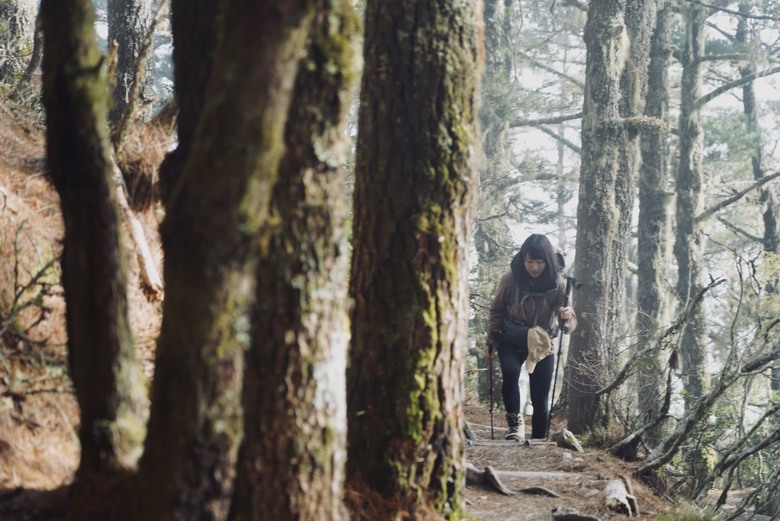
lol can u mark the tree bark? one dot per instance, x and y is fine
(194, 27)
(653, 228)
(768, 195)
(17, 31)
(414, 185)
(491, 235)
(105, 372)
(291, 463)
(128, 21)
(688, 246)
(601, 199)
(215, 213)
(640, 17)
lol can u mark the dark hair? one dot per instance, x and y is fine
(537, 246)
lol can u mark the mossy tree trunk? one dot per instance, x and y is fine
(215, 212)
(602, 198)
(291, 462)
(688, 246)
(653, 228)
(128, 23)
(768, 194)
(414, 185)
(640, 18)
(105, 371)
(689, 240)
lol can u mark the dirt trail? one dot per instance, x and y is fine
(579, 478)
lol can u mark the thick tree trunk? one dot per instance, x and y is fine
(688, 246)
(105, 372)
(601, 199)
(653, 225)
(128, 22)
(640, 17)
(215, 212)
(414, 185)
(291, 463)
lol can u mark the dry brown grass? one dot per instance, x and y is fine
(142, 151)
(38, 412)
(39, 449)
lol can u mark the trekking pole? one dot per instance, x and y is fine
(490, 384)
(571, 283)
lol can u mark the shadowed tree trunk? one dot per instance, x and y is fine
(105, 372)
(194, 27)
(291, 463)
(128, 22)
(414, 185)
(491, 234)
(653, 223)
(215, 211)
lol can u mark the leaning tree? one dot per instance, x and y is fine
(106, 374)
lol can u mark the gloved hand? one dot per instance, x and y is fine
(492, 341)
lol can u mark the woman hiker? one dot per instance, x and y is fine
(529, 307)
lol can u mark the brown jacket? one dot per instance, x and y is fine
(524, 305)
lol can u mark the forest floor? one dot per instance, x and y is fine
(544, 478)
(39, 450)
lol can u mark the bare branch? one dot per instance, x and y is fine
(544, 121)
(701, 407)
(732, 458)
(739, 231)
(735, 13)
(663, 415)
(559, 138)
(736, 197)
(732, 85)
(552, 70)
(725, 57)
(768, 485)
(625, 372)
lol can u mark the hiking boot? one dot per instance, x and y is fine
(514, 432)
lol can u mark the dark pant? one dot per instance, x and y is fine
(511, 358)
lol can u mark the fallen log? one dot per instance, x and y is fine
(152, 282)
(631, 496)
(617, 498)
